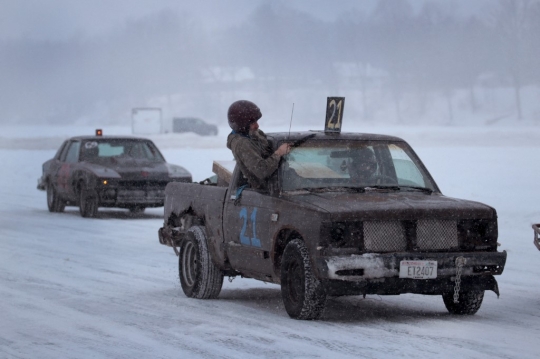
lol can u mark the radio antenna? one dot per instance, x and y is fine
(290, 125)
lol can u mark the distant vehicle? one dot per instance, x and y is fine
(106, 171)
(193, 124)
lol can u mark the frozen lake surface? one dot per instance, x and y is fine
(73, 287)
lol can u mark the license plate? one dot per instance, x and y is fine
(418, 269)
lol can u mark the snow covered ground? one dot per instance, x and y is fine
(105, 288)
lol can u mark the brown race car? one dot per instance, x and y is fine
(321, 229)
(106, 171)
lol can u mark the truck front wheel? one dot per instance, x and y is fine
(302, 293)
(468, 302)
(199, 276)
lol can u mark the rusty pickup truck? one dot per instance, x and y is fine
(329, 225)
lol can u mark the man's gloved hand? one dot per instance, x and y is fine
(283, 149)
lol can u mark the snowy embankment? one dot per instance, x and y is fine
(105, 288)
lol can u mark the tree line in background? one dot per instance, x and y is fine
(394, 50)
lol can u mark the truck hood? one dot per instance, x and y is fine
(130, 168)
(378, 205)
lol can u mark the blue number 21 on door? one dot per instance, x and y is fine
(253, 241)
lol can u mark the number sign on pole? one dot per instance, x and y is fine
(334, 114)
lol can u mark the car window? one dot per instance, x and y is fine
(72, 155)
(101, 150)
(150, 151)
(61, 151)
(331, 164)
(407, 172)
(110, 149)
(65, 151)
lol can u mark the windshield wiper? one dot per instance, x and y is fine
(423, 189)
(378, 186)
(399, 188)
(330, 189)
(356, 189)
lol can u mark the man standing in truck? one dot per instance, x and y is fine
(249, 145)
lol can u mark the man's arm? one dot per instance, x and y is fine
(251, 157)
(260, 167)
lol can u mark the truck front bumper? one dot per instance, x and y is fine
(379, 273)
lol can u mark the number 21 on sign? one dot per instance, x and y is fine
(334, 114)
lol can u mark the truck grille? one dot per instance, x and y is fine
(384, 236)
(436, 234)
(390, 236)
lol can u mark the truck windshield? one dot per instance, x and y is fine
(353, 164)
(97, 150)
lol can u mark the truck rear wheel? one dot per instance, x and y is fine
(54, 203)
(199, 276)
(469, 302)
(302, 293)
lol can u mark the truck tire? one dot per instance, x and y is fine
(54, 203)
(199, 276)
(469, 302)
(88, 202)
(302, 293)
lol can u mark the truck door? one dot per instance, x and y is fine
(246, 226)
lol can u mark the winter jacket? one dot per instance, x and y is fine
(254, 156)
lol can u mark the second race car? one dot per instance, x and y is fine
(106, 171)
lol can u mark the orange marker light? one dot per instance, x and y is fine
(99, 132)
(105, 182)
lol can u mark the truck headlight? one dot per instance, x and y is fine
(343, 234)
(478, 234)
(337, 233)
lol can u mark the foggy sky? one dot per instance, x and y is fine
(61, 19)
(65, 61)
